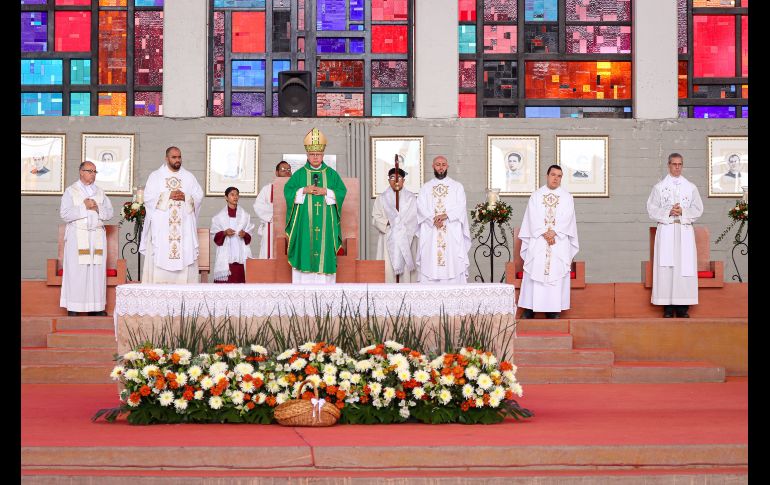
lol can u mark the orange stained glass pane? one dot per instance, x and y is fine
(248, 32)
(112, 104)
(112, 48)
(713, 3)
(112, 3)
(745, 91)
(682, 79)
(578, 80)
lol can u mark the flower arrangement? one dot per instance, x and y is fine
(739, 213)
(499, 213)
(134, 212)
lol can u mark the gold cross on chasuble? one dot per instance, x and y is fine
(317, 206)
(317, 230)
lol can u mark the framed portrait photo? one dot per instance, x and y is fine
(384, 151)
(113, 156)
(232, 161)
(728, 165)
(513, 163)
(585, 164)
(42, 164)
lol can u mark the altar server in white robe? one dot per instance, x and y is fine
(675, 204)
(443, 230)
(84, 208)
(170, 236)
(396, 242)
(263, 207)
(231, 228)
(549, 241)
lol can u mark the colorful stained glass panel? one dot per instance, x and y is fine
(41, 71)
(339, 104)
(713, 46)
(278, 66)
(589, 39)
(276, 111)
(467, 39)
(577, 112)
(744, 111)
(682, 81)
(148, 3)
(218, 104)
(248, 73)
(389, 10)
(300, 14)
(467, 10)
(112, 3)
(148, 48)
(80, 71)
(72, 31)
(713, 3)
(467, 74)
(499, 111)
(389, 39)
(356, 10)
(713, 112)
(540, 10)
(541, 39)
(331, 15)
(340, 74)
(744, 46)
(389, 104)
(34, 31)
(714, 91)
(80, 104)
(239, 3)
(248, 32)
(499, 39)
(219, 50)
(578, 80)
(467, 105)
(357, 46)
(500, 10)
(63, 3)
(389, 74)
(281, 30)
(148, 103)
(112, 104)
(112, 48)
(331, 45)
(681, 23)
(248, 104)
(500, 80)
(41, 104)
(599, 10)
(34, 2)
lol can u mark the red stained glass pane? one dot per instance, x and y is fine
(744, 46)
(112, 3)
(713, 45)
(389, 38)
(219, 104)
(682, 79)
(112, 104)
(340, 104)
(467, 10)
(148, 48)
(467, 74)
(248, 32)
(467, 106)
(63, 3)
(73, 32)
(301, 64)
(219, 50)
(389, 10)
(112, 48)
(578, 80)
(340, 74)
(499, 39)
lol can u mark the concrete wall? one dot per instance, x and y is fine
(613, 231)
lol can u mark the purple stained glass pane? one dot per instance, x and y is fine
(745, 111)
(357, 10)
(389, 74)
(357, 46)
(713, 111)
(681, 20)
(330, 45)
(248, 104)
(219, 50)
(148, 104)
(34, 31)
(275, 104)
(34, 2)
(331, 15)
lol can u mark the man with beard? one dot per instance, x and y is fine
(443, 229)
(397, 229)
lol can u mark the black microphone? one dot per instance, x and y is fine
(315, 179)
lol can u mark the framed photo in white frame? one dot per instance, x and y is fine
(513, 164)
(585, 164)
(232, 161)
(728, 165)
(384, 150)
(42, 163)
(113, 156)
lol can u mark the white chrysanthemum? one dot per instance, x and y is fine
(236, 352)
(286, 354)
(367, 349)
(307, 346)
(215, 402)
(260, 398)
(282, 397)
(180, 404)
(147, 369)
(340, 361)
(464, 351)
(493, 403)
(258, 375)
(244, 368)
(418, 392)
(467, 391)
(472, 372)
(495, 374)
(479, 402)
(378, 373)
(344, 385)
(246, 386)
(510, 375)
(404, 412)
(447, 380)
(133, 375)
(237, 397)
(364, 365)
(393, 345)
(166, 398)
(117, 371)
(516, 388)
(345, 375)
(389, 393)
(491, 360)
(181, 379)
(258, 349)
(377, 402)
(403, 375)
(498, 393)
(184, 356)
(329, 369)
(438, 362)
(298, 364)
(194, 372)
(444, 396)
(207, 383)
(272, 387)
(375, 388)
(133, 355)
(218, 368)
(282, 381)
(399, 361)
(355, 378)
(421, 376)
(484, 381)
(220, 379)
(228, 392)
(315, 379)
(480, 391)
(330, 379)
(198, 395)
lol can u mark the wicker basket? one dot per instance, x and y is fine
(301, 412)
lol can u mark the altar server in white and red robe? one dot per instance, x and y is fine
(231, 228)
(84, 208)
(396, 242)
(263, 207)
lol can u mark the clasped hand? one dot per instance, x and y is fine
(676, 210)
(550, 237)
(313, 190)
(229, 232)
(91, 205)
(439, 219)
(177, 195)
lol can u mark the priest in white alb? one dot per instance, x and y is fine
(549, 241)
(84, 208)
(397, 229)
(443, 230)
(675, 204)
(172, 198)
(263, 207)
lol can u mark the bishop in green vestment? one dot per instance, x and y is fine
(314, 196)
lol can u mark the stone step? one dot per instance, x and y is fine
(94, 338)
(543, 325)
(564, 357)
(542, 341)
(666, 372)
(67, 374)
(564, 374)
(66, 356)
(84, 323)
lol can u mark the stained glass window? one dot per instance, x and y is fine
(521, 55)
(357, 51)
(92, 57)
(713, 60)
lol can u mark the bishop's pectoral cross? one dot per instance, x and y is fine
(317, 230)
(317, 206)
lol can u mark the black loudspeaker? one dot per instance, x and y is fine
(294, 94)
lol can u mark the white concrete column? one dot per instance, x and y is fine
(185, 58)
(655, 69)
(436, 59)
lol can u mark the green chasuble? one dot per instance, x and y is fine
(313, 227)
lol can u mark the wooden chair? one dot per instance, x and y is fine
(514, 270)
(711, 274)
(116, 268)
(204, 255)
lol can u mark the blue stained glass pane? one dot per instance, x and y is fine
(467, 39)
(330, 45)
(41, 104)
(540, 10)
(80, 104)
(275, 104)
(248, 73)
(745, 111)
(248, 104)
(278, 66)
(34, 31)
(41, 71)
(331, 15)
(148, 3)
(714, 112)
(356, 27)
(683, 111)
(34, 2)
(239, 3)
(542, 112)
(357, 46)
(357, 10)
(389, 104)
(80, 71)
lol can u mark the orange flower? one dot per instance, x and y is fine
(188, 395)
(485, 398)
(216, 391)
(364, 399)
(247, 378)
(401, 394)
(310, 370)
(509, 394)
(152, 355)
(339, 404)
(504, 366)
(293, 358)
(461, 381)
(331, 390)
(258, 383)
(173, 384)
(291, 378)
(270, 400)
(160, 383)
(307, 395)
(247, 397)
(135, 397)
(446, 371)
(458, 371)
(145, 390)
(330, 349)
(175, 358)
(340, 395)
(472, 402)
(250, 405)
(465, 406)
